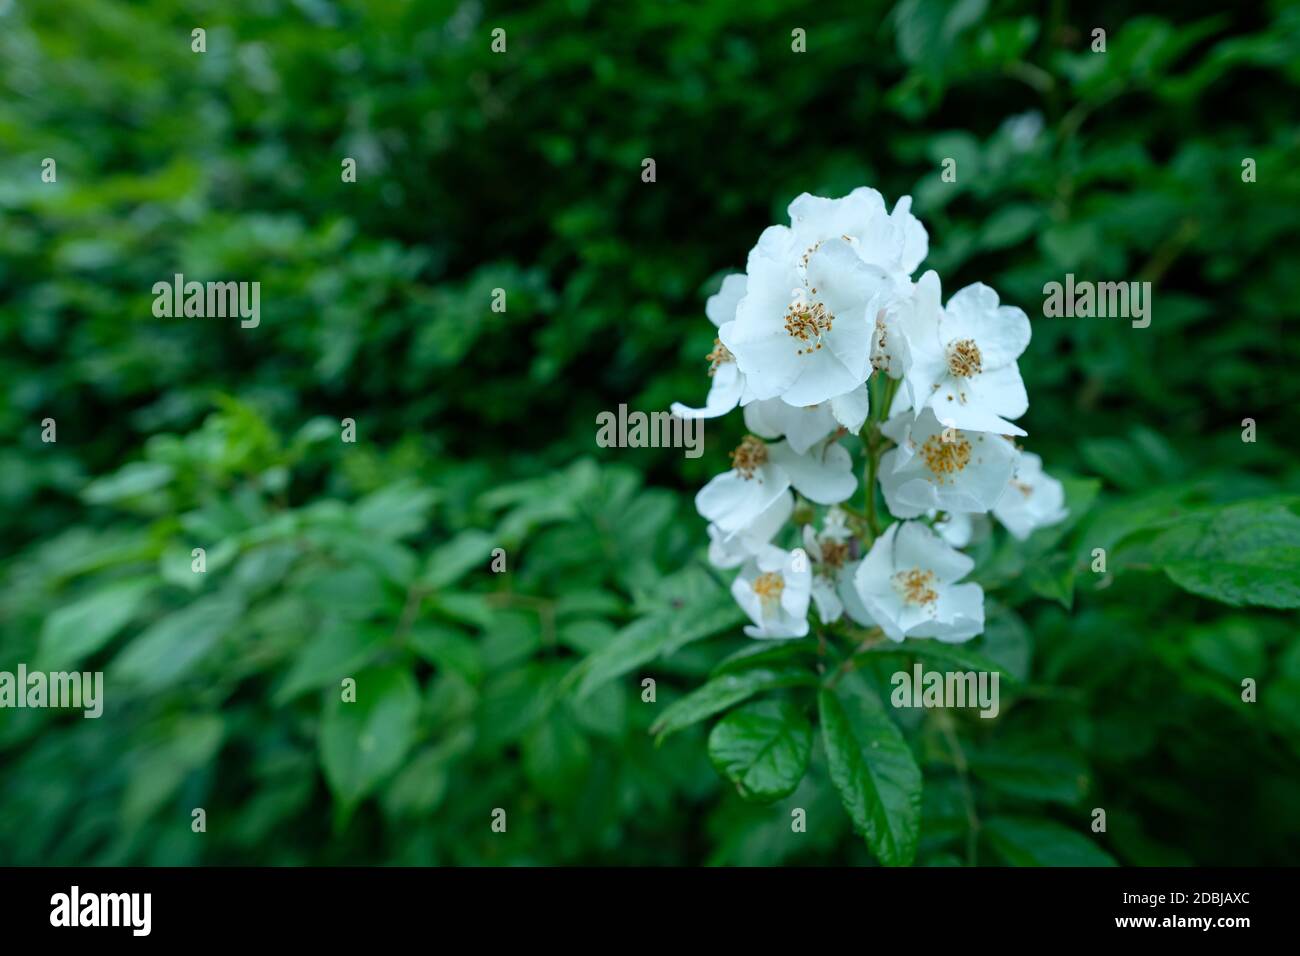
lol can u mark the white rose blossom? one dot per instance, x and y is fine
(773, 588)
(729, 550)
(967, 370)
(908, 582)
(728, 387)
(824, 304)
(1032, 500)
(834, 565)
(762, 472)
(939, 468)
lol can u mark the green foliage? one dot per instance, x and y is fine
(326, 561)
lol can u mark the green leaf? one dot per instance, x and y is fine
(339, 650)
(1032, 772)
(77, 630)
(1010, 225)
(168, 650)
(447, 648)
(137, 478)
(765, 654)
(1025, 841)
(1006, 640)
(872, 769)
(395, 512)
(363, 741)
(763, 748)
(654, 636)
(725, 691)
(555, 756)
(1246, 553)
(930, 651)
(452, 561)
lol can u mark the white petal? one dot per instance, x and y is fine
(1001, 332)
(802, 427)
(728, 550)
(734, 502)
(728, 384)
(829, 606)
(721, 306)
(848, 594)
(916, 242)
(824, 475)
(918, 547)
(852, 408)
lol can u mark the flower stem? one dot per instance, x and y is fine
(875, 442)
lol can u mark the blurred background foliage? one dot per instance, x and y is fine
(475, 429)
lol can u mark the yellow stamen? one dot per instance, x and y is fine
(749, 455)
(915, 586)
(964, 359)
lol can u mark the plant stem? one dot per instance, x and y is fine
(875, 443)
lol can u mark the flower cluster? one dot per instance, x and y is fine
(827, 336)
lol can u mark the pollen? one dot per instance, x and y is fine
(916, 586)
(1023, 488)
(807, 323)
(719, 356)
(964, 359)
(749, 455)
(768, 586)
(834, 554)
(945, 458)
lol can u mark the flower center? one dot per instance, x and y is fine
(879, 357)
(915, 586)
(768, 586)
(945, 458)
(964, 359)
(807, 322)
(749, 455)
(834, 554)
(719, 356)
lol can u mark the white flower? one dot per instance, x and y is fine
(802, 427)
(1032, 500)
(904, 319)
(960, 528)
(801, 332)
(761, 473)
(895, 242)
(773, 588)
(908, 584)
(937, 468)
(834, 566)
(727, 389)
(805, 426)
(967, 372)
(731, 550)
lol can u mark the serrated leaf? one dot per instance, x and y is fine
(763, 748)
(872, 769)
(1239, 554)
(727, 690)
